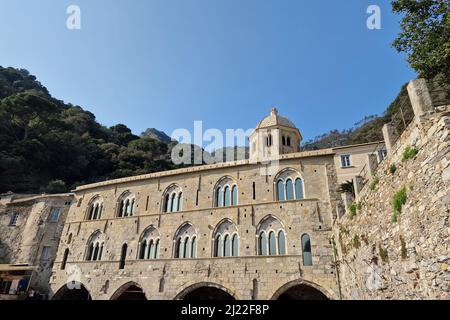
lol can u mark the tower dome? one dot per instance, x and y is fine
(273, 119)
(273, 136)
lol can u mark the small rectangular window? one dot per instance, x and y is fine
(45, 253)
(14, 218)
(382, 154)
(54, 214)
(345, 161)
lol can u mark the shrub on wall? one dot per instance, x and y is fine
(409, 153)
(392, 168)
(374, 183)
(397, 203)
(352, 209)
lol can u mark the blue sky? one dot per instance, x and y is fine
(166, 63)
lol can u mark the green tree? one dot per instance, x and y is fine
(425, 35)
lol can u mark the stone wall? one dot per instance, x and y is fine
(23, 242)
(379, 258)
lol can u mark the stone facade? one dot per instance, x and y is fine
(27, 228)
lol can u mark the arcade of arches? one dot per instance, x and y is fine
(200, 291)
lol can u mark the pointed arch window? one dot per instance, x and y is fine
(227, 196)
(234, 196)
(173, 199)
(289, 190)
(235, 245)
(280, 190)
(271, 237)
(306, 250)
(226, 193)
(186, 242)
(149, 244)
(281, 243)
(289, 186)
(95, 247)
(225, 239)
(262, 244)
(123, 256)
(95, 209)
(126, 205)
(298, 188)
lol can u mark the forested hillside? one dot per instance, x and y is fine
(400, 113)
(43, 139)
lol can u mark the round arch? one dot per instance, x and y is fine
(225, 180)
(281, 175)
(301, 290)
(129, 291)
(72, 291)
(205, 291)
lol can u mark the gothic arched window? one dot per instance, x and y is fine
(271, 237)
(225, 239)
(185, 242)
(149, 244)
(126, 205)
(289, 185)
(95, 209)
(306, 250)
(95, 247)
(172, 199)
(226, 193)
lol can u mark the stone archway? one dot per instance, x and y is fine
(129, 291)
(205, 291)
(75, 291)
(300, 290)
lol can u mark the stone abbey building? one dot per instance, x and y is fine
(248, 229)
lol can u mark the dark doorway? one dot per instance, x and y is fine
(65, 293)
(207, 293)
(131, 292)
(302, 292)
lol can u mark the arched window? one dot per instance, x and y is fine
(306, 250)
(272, 244)
(126, 205)
(225, 239)
(235, 244)
(95, 247)
(289, 190)
(95, 209)
(180, 202)
(219, 197)
(194, 247)
(262, 244)
(281, 243)
(149, 244)
(172, 199)
(288, 141)
(64, 261)
(185, 242)
(298, 188)
(218, 246)
(289, 185)
(234, 196)
(227, 196)
(226, 193)
(283, 140)
(280, 190)
(271, 237)
(123, 256)
(227, 246)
